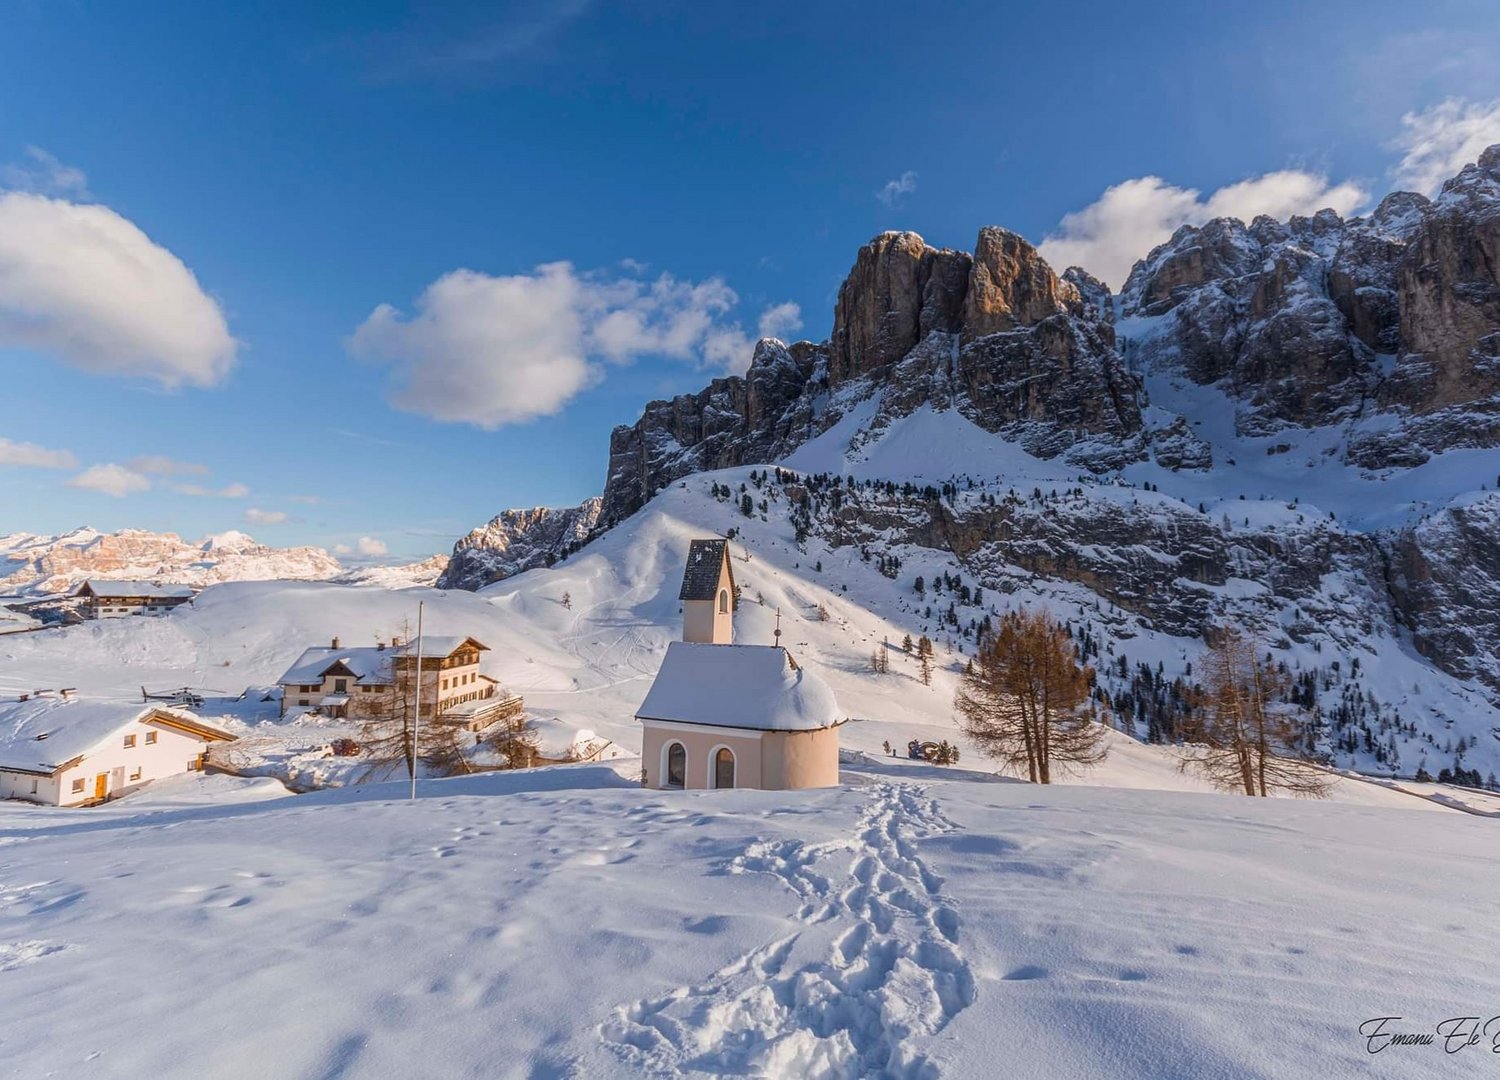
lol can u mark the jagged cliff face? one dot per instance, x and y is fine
(1389, 324)
(514, 541)
(1445, 584)
(996, 335)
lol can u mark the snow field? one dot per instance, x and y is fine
(916, 922)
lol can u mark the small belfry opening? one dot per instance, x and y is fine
(723, 601)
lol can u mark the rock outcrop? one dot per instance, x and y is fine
(1445, 585)
(996, 335)
(517, 540)
(1389, 324)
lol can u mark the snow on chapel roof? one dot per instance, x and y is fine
(701, 577)
(740, 686)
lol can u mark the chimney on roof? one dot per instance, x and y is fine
(335, 643)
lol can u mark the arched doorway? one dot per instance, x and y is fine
(723, 767)
(676, 771)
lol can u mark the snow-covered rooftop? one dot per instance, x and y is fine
(740, 686)
(438, 645)
(366, 662)
(123, 588)
(40, 734)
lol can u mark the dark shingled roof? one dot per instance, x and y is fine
(702, 574)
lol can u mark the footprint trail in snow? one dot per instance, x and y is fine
(876, 965)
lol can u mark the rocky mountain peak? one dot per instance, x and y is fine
(1011, 285)
(897, 292)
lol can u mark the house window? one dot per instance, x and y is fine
(136, 773)
(723, 601)
(78, 786)
(129, 741)
(150, 738)
(724, 768)
(33, 785)
(340, 686)
(676, 765)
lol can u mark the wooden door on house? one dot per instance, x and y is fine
(101, 785)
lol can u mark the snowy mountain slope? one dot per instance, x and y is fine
(584, 665)
(1285, 427)
(915, 922)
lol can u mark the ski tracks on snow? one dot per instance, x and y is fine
(847, 1002)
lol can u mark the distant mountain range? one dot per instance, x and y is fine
(32, 564)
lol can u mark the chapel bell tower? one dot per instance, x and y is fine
(708, 594)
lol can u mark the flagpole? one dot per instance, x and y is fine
(416, 724)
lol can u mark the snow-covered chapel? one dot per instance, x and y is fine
(721, 715)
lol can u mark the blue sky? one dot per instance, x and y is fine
(705, 172)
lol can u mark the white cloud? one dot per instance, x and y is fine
(1439, 141)
(257, 516)
(780, 320)
(893, 190)
(492, 351)
(228, 491)
(43, 174)
(84, 284)
(369, 545)
(165, 466)
(32, 456)
(342, 549)
(1129, 219)
(114, 480)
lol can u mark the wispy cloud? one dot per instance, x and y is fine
(256, 516)
(32, 456)
(42, 174)
(160, 465)
(895, 190)
(228, 491)
(488, 49)
(1437, 142)
(113, 480)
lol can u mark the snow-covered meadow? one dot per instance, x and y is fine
(915, 922)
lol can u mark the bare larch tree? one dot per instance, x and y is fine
(1247, 733)
(1026, 700)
